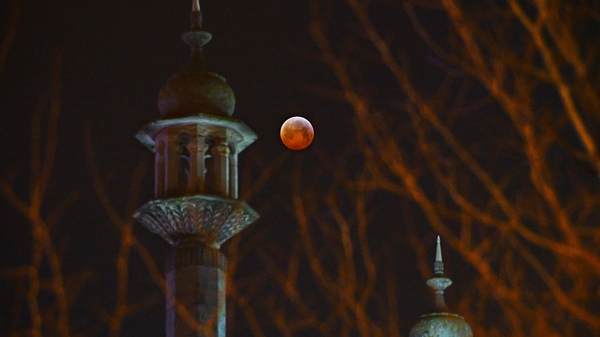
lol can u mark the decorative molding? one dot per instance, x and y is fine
(212, 218)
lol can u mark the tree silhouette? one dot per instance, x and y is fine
(483, 131)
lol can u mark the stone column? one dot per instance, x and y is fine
(173, 151)
(197, 148)
(195, 290)
(233, 174)
(222, 160)
(159, 171)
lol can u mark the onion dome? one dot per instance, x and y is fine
(196, 90)
(440, 323)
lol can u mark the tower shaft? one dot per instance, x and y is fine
(195, 286)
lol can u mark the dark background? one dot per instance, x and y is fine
(114, 56)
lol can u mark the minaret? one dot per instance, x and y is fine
(440, 323)
(196, 207)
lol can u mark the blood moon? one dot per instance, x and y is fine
(297, 133)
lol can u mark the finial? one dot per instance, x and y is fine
(438, 265)
(439, 283)
(196, 38)
(196, 16)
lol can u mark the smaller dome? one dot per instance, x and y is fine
(441, 324)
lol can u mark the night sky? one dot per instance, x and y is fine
(113, 58)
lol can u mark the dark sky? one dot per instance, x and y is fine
(115, 57)
(116, 54)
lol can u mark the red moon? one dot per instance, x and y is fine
(297, 133)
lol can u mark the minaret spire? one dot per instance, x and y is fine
(196, 90)
(439, 283)
(196, 38)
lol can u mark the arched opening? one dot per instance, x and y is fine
(210, 177)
